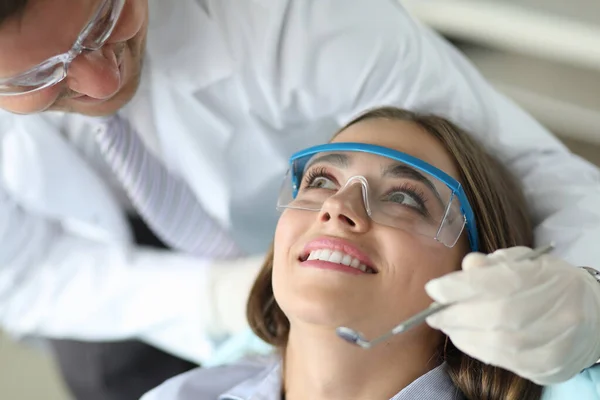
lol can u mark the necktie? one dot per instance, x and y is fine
(164, 201)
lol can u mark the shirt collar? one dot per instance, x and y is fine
(187, 45)
(435, 384)
(264, 386)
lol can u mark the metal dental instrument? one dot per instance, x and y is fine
(354, 337)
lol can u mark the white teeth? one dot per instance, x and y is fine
(346, 260)
(314, 255)
(324, 256)
(337, 257)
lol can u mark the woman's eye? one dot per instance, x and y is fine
(404, 199)
(322, 183)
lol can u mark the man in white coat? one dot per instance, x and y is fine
(219, 93)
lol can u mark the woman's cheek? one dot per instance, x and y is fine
(415, 257)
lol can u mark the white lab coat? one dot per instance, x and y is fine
(231, 88)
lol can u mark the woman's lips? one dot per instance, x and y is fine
(333, 266)
(336, 245)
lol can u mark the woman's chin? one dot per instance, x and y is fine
(325, 313)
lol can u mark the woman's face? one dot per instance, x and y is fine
(404, 260)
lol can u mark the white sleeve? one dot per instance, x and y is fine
(56, 282)
(57, 285)
(367, 54)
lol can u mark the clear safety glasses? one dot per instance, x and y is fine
(397, 190)
(52, 71)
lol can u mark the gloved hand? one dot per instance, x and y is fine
(539, 319)
(230, 282)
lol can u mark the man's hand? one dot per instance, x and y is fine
(539, 319)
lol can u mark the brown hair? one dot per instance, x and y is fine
(11, 8)
(502, 220)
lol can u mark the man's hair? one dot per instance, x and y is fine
(11, 8)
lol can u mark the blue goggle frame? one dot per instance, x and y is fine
(299, 159)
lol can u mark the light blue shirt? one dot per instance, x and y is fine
(261, 379)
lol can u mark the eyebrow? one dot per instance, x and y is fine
(404, 171)
(336, 159)
(394, 170)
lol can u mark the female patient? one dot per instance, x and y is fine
(395, 200)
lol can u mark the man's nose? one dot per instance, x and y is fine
(95, 74)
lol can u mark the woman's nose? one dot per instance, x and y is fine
(346, 209)
(95, 74)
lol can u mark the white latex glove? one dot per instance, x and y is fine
(230, 282)
(204, 304)
(539, 319)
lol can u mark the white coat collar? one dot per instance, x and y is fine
(187, 45)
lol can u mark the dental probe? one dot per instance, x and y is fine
(354, 337)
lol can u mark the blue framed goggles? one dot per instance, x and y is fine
(397, 189)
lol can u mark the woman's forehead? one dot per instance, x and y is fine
(403, 136)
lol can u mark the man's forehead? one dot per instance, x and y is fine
(43, 29)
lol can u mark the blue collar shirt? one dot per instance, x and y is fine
(261, 379)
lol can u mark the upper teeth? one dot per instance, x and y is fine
(337, 257)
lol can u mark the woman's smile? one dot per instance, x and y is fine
(336, 254)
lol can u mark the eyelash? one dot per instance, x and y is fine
(415, 192)
(412, 190)
(319, 172)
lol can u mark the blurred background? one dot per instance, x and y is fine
(545, 54)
